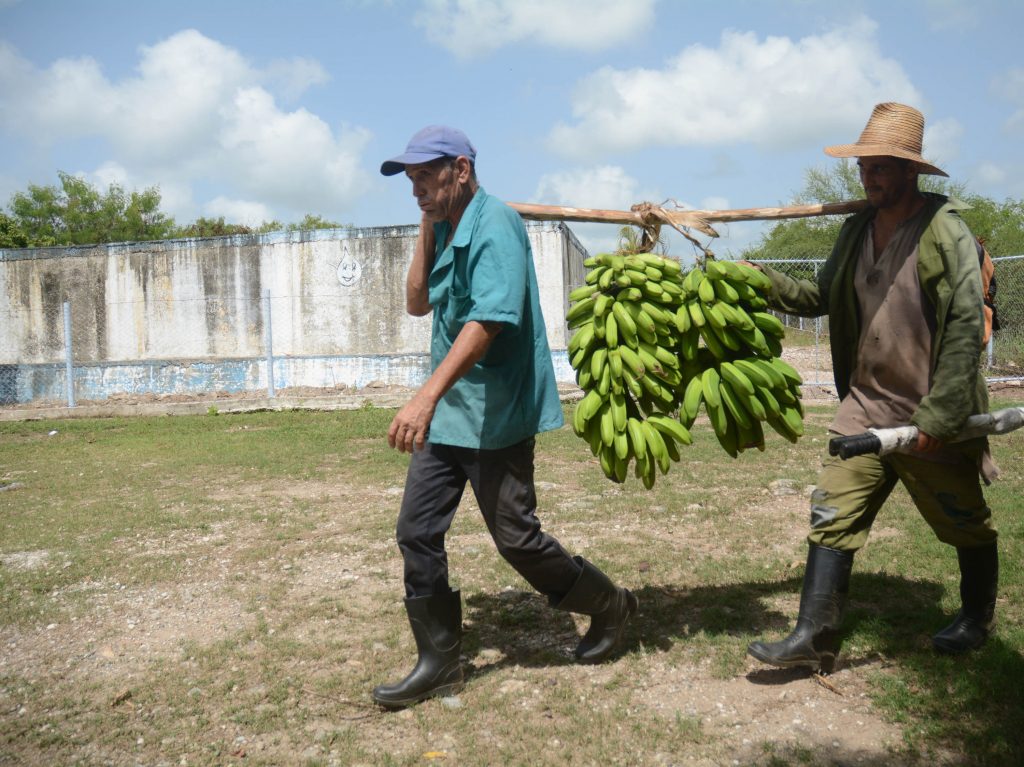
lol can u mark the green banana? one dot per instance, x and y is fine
(682, 320)
(581, 339)
(728, 434)
(772, 408)
(734, 405)
(688, 344)
(757, 377)
(736, 377)
(611, 331)
(713, 313)
(617, 404)
(737, 316)
(656, 444)
(627, 325)
(620, 443)
(706, 291)
(752, 437)
(593, 277)
(583, 308)
(631, 360)
(582, 292)
(713, 269)
(778, 381)
(787, 370)
(692, 397)
(712, 342)
(636, 278)
(769, 323)
(621, 469)
(670, 427)
(607, 424)
(604, 383)
(597, 362)
(726, 292)
(636, 436)
(791, 415)
(696, 314)
(710, 381)
(615, 363)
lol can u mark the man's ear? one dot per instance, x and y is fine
(463, 168)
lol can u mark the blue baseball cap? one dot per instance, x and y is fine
(431, 143)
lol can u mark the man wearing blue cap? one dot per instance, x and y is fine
(491, 390)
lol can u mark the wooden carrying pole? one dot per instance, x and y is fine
(646, 214)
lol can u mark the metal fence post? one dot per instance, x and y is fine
(268, 330)
(69, 366)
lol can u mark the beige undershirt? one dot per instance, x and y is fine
(894, 350)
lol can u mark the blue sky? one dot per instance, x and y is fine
(262, 110)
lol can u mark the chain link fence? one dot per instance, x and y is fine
(1002, 359)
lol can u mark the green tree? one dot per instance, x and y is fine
(1001, 225)
(217, 227)
(76, 213)
(311, 221)
(212, 227)
(11, 235)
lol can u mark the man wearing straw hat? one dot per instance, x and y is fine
(902, 291)
(491, 390)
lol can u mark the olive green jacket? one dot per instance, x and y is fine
(951, 282)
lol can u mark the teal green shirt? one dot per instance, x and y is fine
(487, 274)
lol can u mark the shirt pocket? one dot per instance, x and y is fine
(455, 311)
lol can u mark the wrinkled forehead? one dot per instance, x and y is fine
(434, 167)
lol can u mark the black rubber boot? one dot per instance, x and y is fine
(608, 606)
(814, 642)
(979, 579)
(436, 623)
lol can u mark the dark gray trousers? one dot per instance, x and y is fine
(502, 481)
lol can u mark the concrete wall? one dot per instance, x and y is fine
(187, 316)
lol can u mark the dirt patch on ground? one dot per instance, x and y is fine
(308, 592)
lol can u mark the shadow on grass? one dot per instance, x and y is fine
(973, 705)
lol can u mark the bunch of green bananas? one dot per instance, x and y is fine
(731, 350)
(652, 345)
(625, 352)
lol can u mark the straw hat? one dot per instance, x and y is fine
(894, 130)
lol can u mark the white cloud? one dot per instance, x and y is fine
(609, 187)
(942, 141)
(772, 92)
(292, 77)
(1009, 86)
(605, 186)
(196, 112)
(473, 27)
(246, 212)
(990, 174)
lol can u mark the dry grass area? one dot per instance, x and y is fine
(226, 590)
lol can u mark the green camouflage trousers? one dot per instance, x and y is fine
(947, 492)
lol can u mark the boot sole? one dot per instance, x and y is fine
(956, 649)
(438, 692)
(813, 665)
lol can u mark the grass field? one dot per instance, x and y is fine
(226, 589)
